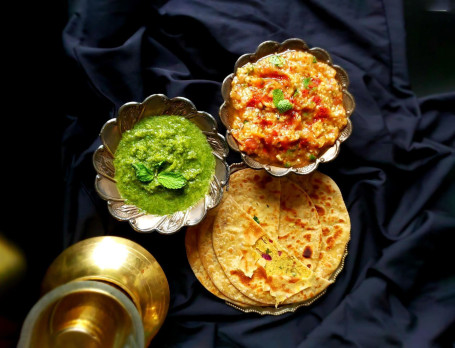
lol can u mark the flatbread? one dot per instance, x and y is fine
(319, 285)
(254, 248)
(333, 216)
(196, 264)
(211, 264)
(253, 262)
(258, 193)
(191, 243)
(299, 229)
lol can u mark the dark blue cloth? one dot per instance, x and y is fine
(396, 171)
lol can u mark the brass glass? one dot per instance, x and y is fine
(121, 263)
(85, 314)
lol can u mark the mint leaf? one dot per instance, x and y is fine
(284, 105)
(143, 173)
(158, 165)
(277, 61)
(171, 180)
(277, 96)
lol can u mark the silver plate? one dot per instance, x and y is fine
(270, 47)
(105, 184)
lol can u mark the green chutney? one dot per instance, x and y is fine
(177, 145)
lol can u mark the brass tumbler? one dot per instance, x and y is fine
(100, 292)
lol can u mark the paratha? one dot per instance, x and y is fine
(253, 262)
(299, 229)
(211, 264)
(334, 218)
(318, 286)
(254, 248)
(196, 264)
(258, 193)
(191, 243)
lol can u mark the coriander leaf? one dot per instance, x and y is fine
(312, 157)
(143, 173)
(284, 105)
(306, 82)
(315, 60)
(255, 218)
(277, 60)
(171, 180)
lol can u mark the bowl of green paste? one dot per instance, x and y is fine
(162, 164)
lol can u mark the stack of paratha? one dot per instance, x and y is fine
(271, 240)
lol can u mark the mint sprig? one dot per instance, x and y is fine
(169, 180)
(277, 96)
(280, 103)
(143, 173)
(284, 105)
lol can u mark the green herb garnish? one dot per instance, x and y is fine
(315, 60)
(284, 105)
(280, 103)
(143, 173)
(306, 82)
(171, 180)
(311, 157)
(277, 61)
(255, 218)
(277, 96)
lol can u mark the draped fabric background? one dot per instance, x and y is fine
(396, 171)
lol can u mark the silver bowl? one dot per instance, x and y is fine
(111, 133)
(271, 47)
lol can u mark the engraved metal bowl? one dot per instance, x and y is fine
(272, 47)
(111, 133)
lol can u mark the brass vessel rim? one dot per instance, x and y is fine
(53, 296)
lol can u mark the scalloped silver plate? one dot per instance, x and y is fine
(111, 133)
(271, 47)
(290, 308)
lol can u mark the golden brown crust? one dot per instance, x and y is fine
(299, 229)
(258, 193)
(334, 218)
(235, 240)
(271, 240)
(212, 266)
